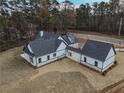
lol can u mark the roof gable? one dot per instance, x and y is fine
(69, 39)
(62, 46)
(97, 50)
(111, 53)
(27, 50)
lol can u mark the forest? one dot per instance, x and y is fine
(20, 20)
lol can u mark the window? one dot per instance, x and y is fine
(39, 60)
(54, 55)
(48, 57)
(69, 53)
(96, 63)
(85, 59)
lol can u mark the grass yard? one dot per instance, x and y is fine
(64, 76)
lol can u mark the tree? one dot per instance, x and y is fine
(121, 8)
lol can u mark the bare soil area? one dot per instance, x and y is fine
(16, 76)
(64, 76)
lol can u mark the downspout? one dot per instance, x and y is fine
(36, 61)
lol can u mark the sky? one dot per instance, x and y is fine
(78, 2)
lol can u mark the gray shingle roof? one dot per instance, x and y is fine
(38, 36)
(48, 35)
(96, 49)
(78, 50)
(42, 47)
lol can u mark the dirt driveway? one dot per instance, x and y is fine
(101, 38)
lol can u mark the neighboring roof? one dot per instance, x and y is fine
(78, 50)
(41, 47)
(48, 35)
(97, 50)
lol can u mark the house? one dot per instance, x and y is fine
(98, 55)
(47, 48)
(40, 52)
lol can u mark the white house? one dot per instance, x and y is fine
(47, 48)
(40, 52)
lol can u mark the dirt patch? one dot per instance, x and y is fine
(57, 82)
(13, 69)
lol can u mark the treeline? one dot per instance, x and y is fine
(101, 17)
(21, 19)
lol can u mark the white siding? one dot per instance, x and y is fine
(91, 62)
(109, 60)
(28, 59)
(74, 56)
(110, 54)
(61, 46)
(44, 60)
(76, 45)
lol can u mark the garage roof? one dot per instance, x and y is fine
(97, 50)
